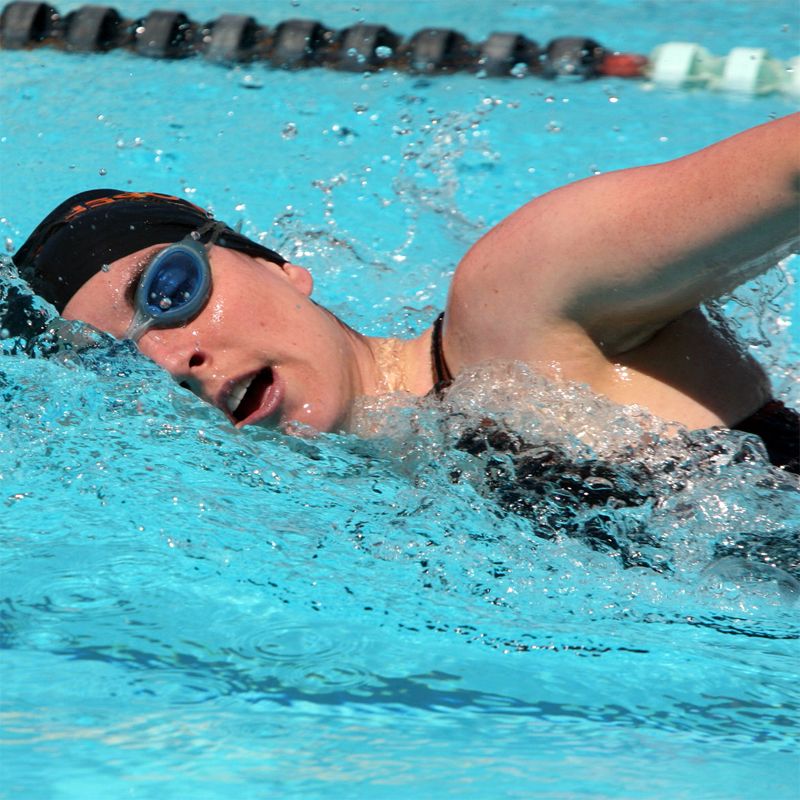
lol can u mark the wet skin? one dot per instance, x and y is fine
(259, 321)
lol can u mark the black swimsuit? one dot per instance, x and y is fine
(779, 428)
(775, 424)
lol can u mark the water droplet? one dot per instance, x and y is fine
(289, 130)
(383, 51)
(4, 333)
(251, 82)
(240, 207)
(102, 171)
(105, 267)
(165, 303)
(9, 245)
(613, 99)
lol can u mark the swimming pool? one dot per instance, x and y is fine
(193, 611)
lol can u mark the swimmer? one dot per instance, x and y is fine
(597, 282)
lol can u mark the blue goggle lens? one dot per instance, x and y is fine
(173, 283)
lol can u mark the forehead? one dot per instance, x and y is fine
(102, 300)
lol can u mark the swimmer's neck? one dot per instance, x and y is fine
(394, 365)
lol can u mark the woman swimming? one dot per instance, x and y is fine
(597, 282)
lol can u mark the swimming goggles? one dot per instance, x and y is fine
(176, 285)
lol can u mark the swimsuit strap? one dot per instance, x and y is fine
(442, 377)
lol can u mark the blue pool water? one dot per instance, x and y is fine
(192, 611)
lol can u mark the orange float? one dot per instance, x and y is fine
(623, 65)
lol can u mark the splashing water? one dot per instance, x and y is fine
(606, 478)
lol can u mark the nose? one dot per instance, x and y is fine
(178, 352)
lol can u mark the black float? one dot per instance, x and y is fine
(297, 44)
(438, 50)
(26, 24)
(93, 29)
(231, 38)
(164, 34)
(365, 47)
(501, 52)
(573, 56)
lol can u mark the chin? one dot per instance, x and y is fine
(299, 429)
(310, 424)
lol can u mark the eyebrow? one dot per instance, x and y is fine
(134, 279)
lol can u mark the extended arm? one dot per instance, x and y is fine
(618, 256)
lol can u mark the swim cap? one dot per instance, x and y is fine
(90, 229)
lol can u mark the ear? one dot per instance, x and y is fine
(300, 277)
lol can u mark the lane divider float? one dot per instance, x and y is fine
(304, 43)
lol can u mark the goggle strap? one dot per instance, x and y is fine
(140, 324)
(212, 225)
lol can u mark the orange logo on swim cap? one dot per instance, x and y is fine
(98, 202)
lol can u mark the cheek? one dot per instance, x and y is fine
(241, 301)
(217, 308)
(231, 307)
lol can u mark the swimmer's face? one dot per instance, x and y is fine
(260, 349)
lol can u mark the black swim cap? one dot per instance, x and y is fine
(90, 229)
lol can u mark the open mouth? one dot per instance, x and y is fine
(249, 395)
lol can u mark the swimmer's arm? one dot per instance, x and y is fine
(620, 255)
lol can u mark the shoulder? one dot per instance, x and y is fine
(509, 295)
